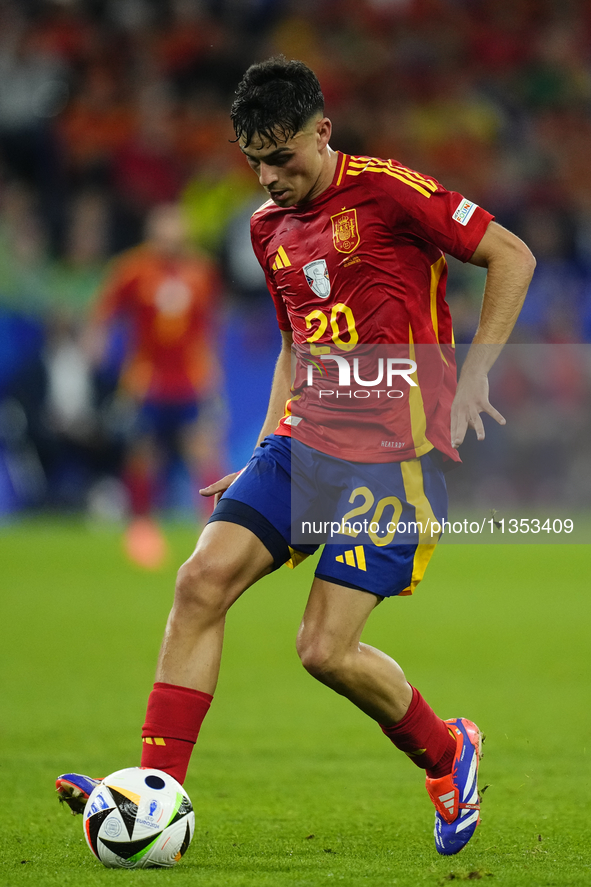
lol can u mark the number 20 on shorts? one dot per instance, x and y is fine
(348, 528)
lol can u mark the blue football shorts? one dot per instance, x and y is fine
(379, 523)
(163, 420)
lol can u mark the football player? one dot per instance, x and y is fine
(353, 251)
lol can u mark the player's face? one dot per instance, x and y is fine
(296, 170)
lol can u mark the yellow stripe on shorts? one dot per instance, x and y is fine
(412, 478)
(296, 558)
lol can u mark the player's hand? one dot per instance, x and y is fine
(471, 399)
(220, 486)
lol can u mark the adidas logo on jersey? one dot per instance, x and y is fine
(355, 557)
(281, 260)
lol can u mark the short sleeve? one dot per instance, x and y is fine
(426, 209)
(280, 309)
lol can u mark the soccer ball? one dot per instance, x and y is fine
(138, 818)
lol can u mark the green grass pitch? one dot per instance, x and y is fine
(291, 784)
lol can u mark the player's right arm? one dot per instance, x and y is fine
(280, 393)
(280, 389)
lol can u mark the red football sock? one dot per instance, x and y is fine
(173, 721)
(424, 737)
(140, 488)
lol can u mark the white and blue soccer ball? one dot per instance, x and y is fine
(139, 818)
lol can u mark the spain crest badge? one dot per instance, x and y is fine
(345, 231)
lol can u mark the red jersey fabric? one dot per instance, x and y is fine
(363, 265)
(169, 304)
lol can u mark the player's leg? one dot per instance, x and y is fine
(330, 649)
(227, 560)
(449, 751)
(244, 540)
(247, 537)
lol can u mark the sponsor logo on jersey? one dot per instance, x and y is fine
(463, 213)
(281, 260)
(317, 276)
(345, 231)
(351, 560)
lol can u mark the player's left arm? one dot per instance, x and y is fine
(510, 266)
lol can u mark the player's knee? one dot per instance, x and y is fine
(319, 657)
(204, 586)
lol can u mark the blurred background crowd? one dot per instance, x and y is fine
(112, 111)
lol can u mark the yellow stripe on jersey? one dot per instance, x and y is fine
(287, 408)
(281, 260)
(363, 162)
(389, 172)
(283, 256)
(342, 169)
(418, 419)
(416, 176)
(414, 179)
(414, 489)
(436, 272)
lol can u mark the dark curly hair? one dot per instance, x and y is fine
(275, 99)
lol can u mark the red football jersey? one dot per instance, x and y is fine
(169, 305)
(362, 265)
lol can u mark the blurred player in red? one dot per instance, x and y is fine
(167, 295)
(353, 252)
